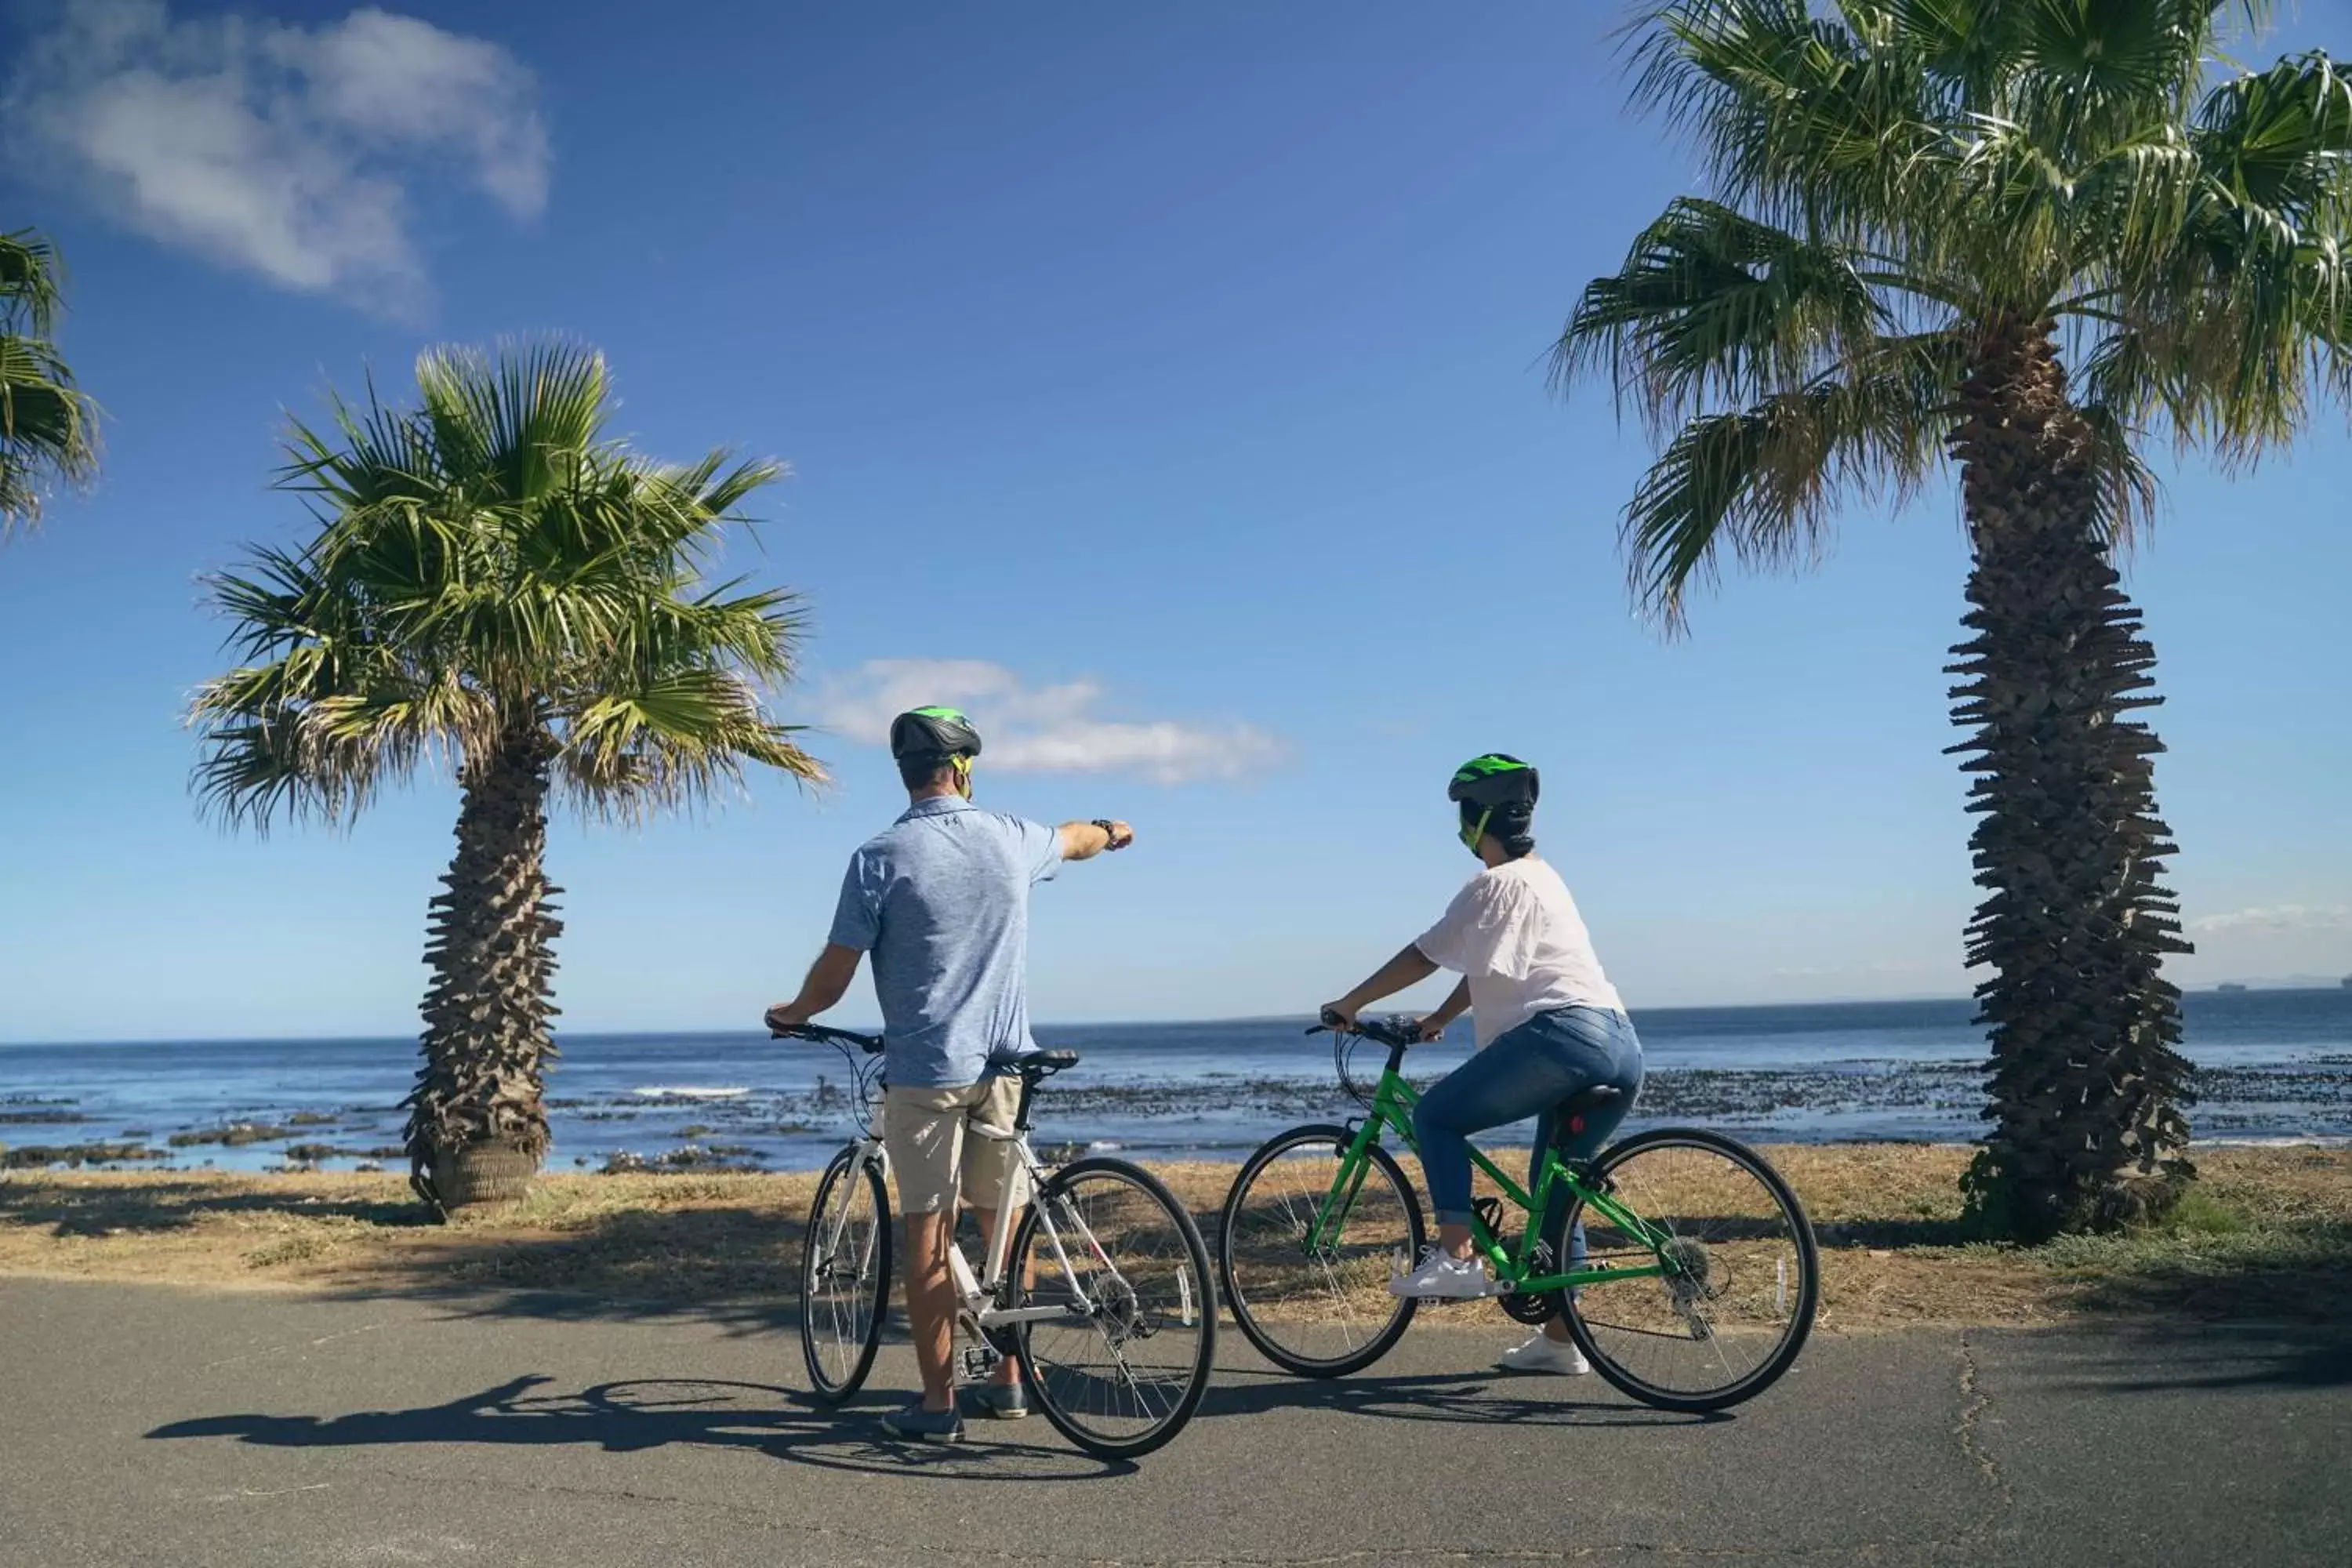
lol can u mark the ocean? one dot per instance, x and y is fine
(2271, 1065)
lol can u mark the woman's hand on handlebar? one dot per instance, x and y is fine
(1430, 1029)
(783, 1018)
(1340, 1014)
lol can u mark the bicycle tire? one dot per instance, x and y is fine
(1065, 1419)
(832, 1385)
(1801, 1238)
(1237, 1299)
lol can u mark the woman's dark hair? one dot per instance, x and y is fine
(1512, 824)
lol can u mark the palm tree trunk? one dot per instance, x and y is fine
(2084, 1082)
(486, 1042)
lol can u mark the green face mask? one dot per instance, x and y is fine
(1472, 832)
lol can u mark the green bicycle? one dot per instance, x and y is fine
(1684, 1264)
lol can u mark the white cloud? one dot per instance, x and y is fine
(2276, 918)
(1046, 729)
(286, 151)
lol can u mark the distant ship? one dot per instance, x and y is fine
(2347, 983)
(2233, 985)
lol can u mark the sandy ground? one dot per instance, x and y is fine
(2267, 1235)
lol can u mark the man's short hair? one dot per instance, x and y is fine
(919, 773)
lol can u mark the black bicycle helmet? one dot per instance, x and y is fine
(1493, 779)
(940, 732)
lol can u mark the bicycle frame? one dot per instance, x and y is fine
(978, 1296)
(1392, 1107)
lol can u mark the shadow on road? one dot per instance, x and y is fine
(2154, 1359)
(1482, 1399)
(633, 1416)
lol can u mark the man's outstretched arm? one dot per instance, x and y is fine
(1085, 840)
(827, 983)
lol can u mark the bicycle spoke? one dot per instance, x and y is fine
(1129, 1367)
(1320, 1307)
(1734, 1295)
(841, 1283)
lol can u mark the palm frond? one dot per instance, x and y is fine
(1711, 306)
(49, 427)
(2127, 488)
(2232, 306)
(1953, 175)
(486, 564)
(679, 738)
(32, 285)
(517, 421)
(1765, 482)
(1801, 120)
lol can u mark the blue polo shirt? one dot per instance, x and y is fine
(940, 898)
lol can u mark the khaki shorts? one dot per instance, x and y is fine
(939, 1142)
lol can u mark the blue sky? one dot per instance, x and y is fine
(1182, 368)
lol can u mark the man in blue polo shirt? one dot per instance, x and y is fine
(940, 898)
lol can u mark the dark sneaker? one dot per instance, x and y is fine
(921, 1426)
(1000, 1401)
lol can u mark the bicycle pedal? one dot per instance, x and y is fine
(978, 1361)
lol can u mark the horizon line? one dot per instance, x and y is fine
(2207, 989)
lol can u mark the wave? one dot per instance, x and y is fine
(689, 1092)
(2288, 1140)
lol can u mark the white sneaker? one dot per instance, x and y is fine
(1544, 1353)
(1444, 1277)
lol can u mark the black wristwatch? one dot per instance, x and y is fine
(1110, 831)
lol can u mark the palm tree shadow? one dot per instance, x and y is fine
(169, 1205)
(2152, 1357)
(1485, 1399)
(634, 1415)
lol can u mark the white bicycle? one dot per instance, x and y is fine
(1102, 1291)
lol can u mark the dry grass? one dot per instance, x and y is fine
(2267, 1235)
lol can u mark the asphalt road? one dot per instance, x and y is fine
(156, 1426)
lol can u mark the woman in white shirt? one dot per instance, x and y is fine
(1550, 1027)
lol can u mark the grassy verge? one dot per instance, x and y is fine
(2267, 1235)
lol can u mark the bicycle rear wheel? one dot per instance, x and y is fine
(1742, 1278)
(1324, 1311)
(1125, 1366)
(845, 1277)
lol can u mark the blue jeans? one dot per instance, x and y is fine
(1527, 1072)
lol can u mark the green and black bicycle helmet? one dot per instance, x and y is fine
(1497, 790)
(933, 733)
(1495, 779)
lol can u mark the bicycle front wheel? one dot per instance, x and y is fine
(1320, 1310)
(1122, 1365)
(1740, 1274)
(844, 1276)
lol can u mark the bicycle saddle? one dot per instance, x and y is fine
(1043, 1064)
(1568, 1117)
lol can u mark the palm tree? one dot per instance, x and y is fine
(1922, 214)
(48, 431)
(496, 583)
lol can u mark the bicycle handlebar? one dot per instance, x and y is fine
(870, 1043)
(1400, 1034)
